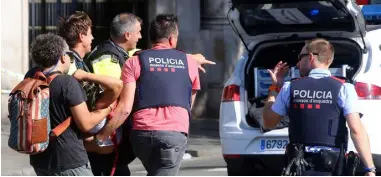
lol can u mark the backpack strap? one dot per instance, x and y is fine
(65, 124)
(51, 77)
(48, 77)
(60, 128)
(39, 75)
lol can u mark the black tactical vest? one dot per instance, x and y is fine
(107, 47)
(315, 117)
(164, 79)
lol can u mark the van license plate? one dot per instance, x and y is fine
(273, 144)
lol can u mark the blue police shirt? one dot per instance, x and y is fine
(347, 100)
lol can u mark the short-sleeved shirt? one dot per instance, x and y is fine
(170, 118)
(67, 151)
(347, 98)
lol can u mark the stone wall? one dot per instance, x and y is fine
(203, 29)
(14, 47)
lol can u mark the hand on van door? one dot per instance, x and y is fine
(278, 73)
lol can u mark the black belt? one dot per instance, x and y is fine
(299, 161)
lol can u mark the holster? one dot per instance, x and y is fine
(299, 161)
(296, 164)
(352, 162)
(325, 161)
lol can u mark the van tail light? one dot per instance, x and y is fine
(231, 93)
(232, 156)
(368, 91)
(362, 2)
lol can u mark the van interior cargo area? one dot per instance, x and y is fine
(347, 61)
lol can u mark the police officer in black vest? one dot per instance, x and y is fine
(319, 106)
(107, 59)
(163, 82)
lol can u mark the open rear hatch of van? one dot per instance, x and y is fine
(253, 18)
(279, 28)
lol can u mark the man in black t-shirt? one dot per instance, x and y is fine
(65, 155)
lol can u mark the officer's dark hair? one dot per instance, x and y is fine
(122, 23)
(323, 47)
(163, 26)
(71, 27)
(46, 49)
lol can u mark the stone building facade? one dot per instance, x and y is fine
(202, 23)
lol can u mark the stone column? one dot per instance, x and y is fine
(219, 43)
(14, 49)
(156, 7)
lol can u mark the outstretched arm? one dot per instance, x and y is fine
(201, 60)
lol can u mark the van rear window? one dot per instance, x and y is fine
(293, 17)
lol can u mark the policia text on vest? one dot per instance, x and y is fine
(312, 96)
(166, 62)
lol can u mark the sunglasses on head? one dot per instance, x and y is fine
(300, 56)
(69, 53)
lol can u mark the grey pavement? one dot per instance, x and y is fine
(202, 166)
(203, 142)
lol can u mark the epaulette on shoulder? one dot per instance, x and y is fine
(297, 78)
(179, 50)
(341, 79)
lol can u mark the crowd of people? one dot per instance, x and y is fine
(121, 102)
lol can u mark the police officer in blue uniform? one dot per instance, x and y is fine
(319, 106)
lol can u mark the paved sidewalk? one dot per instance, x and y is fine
(203, 141)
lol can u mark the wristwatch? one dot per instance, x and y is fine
(97, 141)
(372, 169)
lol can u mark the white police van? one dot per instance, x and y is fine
(274, 30)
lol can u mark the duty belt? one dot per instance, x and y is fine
(295, 160)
